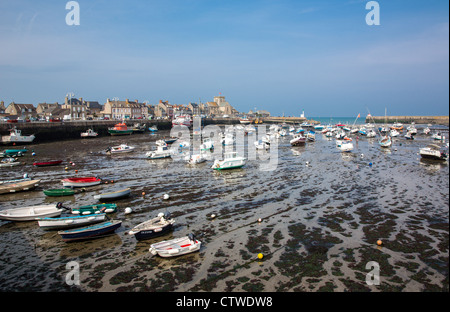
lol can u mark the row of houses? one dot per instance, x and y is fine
(80, 109)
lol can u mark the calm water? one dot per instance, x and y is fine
(322, 212)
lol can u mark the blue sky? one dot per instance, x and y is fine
(281, 56)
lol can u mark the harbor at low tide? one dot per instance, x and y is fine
(321, 214)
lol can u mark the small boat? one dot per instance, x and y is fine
(14, 187)
(30, 213)
(94, 209)
(433, 151)
(207, 144)
(162, 151)
(182, 121)
(245, 120)
(153, 128)
(397, 126)
(113, 195)
(13, 152)
(81, 182)
(176, 247)
(59, 192)
(344, 146)
(69, 222)
(91, 231)
(196, 159)
(409, 136)
(15, 136)
(120, 149)
(9, 162)
(393, 133)
(261, 145)
(438, 137)
(89, 134)
(311, 136)
(426, 130)
(168, 140)
(137, 127)
(25, 178)
(47, 163)
(230, 161)
(120, 129)
(371, 133)
(298, 139)
(153, 228)
(385, 141)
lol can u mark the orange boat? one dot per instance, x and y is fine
(120, 129)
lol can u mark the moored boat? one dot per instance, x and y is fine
(162, 151)
(93, 209)
(176, 247)
(153, 128)
(14, 187)
(120, 129)
(89, 134)
(433, 151)
(91, 231)
(47, 163)
(120, 149)
(182, 121)
(30, 213)
(155, 227)
(81, 182)
(9, 162)
(59, 192)
(15, 136)
(231, 161)
(69, 222)
(385, 141)
(299, 139)
(113, 195)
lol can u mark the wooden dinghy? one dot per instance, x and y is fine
(59, 192)
(14, 187)
(69, 222)
(153, 228)
(113, 195)
(30, 213)
(91, 231)
(176, 247)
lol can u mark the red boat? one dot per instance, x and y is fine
(47, 163)
(81, 182)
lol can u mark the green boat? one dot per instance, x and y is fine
(59, 192)
(120, 129)
(91, 209)
(13, 152)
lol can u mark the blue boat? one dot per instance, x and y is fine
(89, 232)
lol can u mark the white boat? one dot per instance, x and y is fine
(162, 151)
(299, 139)
(426, 130)
(207, 144)
(371, 133)
(176, 247)
(13, 187)
(114, 195)
(196, 159)
(153, 128)
(228, 139)
(231, 161)
(261, 145)
(158, 226)
(30, 213)
(344, 146)
(89, 134)
(120, 149)
(60, 223)
(393, 133)
(182, 121)
(9, 162)
(438, 136)
(433, 151)
(409, 136)
(245, 120)
(412, 129)
(385, 141)
(15, 136)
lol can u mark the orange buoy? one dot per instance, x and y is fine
(379, 242)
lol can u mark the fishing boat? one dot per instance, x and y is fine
(6, 188)
(162, 151)
(385, 141)
(47, 163)
(155, 227)
(298, 139)
(9, 162)
(176, 247)
(153, 128)
(89, 134)
(59, 192)
(120, 129)
(182, 121)
(94, 209)
(81, 182)
(69, 222)
(120, 149)
(231, 161)
(30, 213)
(91, 231)
(433, 151)
(15, 136)
(114, 195)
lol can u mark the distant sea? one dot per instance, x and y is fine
(343, 120)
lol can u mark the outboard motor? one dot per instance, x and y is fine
(191, 237)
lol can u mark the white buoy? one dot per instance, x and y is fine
(128, 210)
(213, 216)
(166, 196)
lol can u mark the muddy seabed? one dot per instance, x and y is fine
(321, 212)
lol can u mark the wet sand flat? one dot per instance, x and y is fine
(321, 212)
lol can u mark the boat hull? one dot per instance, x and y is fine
(80, 182)
(69, 222)
(152, 233)
(94, 209)
(18, 187)
(90, 232)
(47, 163)
(30, 213)
(114, 195)
(59, 192)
